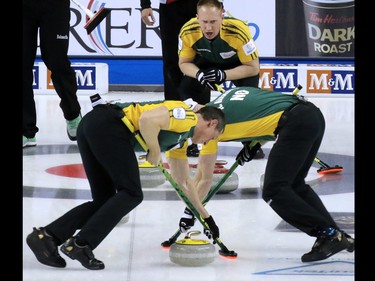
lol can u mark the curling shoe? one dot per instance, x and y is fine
(326, 246)
(81, 253)
(44, 248)
(351, 242)
(72, 126)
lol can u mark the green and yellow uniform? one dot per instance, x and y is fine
(234, 45)
(107, 148)
(250, 113)
(181, 125)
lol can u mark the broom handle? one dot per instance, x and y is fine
(168, 176)
(87, 11)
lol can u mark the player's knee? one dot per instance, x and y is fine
(271, 191)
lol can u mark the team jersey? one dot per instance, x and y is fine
(250, 114)
(234, 44)
(181, 124)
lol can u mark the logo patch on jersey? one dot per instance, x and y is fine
(227, 55)
(249, 47)
(179, 113)
(179, 43)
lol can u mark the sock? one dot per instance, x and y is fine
(328, 231)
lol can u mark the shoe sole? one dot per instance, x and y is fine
(30, 241)
(29, 145)
(72, 138)
(350, 249)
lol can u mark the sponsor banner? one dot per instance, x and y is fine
(279, 78)
(122, 32)
(330, 27)
(329, 80)
(92, 78)
(314, 79)
(315, 28)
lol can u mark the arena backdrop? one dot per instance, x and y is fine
(306, 42)
(281, 28)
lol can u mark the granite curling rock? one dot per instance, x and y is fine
(150, 175)
(192, 252)
(231, 183)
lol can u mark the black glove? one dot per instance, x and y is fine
(214, 75)
(187, 220)
(213, 231)
(248, 152)
(203, 81)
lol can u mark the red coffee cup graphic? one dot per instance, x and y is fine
(330, 27)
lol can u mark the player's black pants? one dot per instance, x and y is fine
(172, 17)
(300, 134)
(51, 18)
(112, 170)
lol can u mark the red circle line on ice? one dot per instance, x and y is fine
(77, 170)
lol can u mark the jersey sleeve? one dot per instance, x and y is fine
(239, 37)
(248, 52)
(189, 34)
(182, 118)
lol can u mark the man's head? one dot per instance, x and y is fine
(210, 15)
(211, 124)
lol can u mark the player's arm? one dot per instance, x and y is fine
(244, 70)
(180, 172)
(204, 174)
(150, 124)
(188, 67)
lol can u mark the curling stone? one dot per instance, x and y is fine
(150, 175)
(229, 185)
(192, 252)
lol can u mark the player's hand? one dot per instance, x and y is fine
(187, 220)
(148, 17)
(213, 231)
(214, 75)
(154, 157)
(203, 81)
(248, 152)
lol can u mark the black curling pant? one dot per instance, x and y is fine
(51, 19)
(112, 170)
(285, 190)
(172, 17)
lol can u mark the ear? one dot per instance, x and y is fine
(213, 123)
